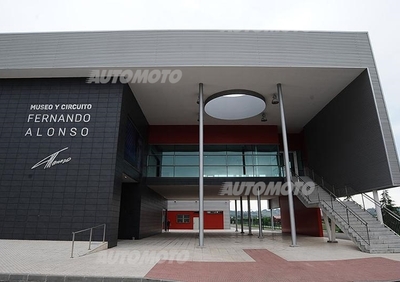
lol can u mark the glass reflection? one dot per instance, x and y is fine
(219, 161)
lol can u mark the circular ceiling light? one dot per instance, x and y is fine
(234, 104)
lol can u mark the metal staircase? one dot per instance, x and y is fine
(359, 225)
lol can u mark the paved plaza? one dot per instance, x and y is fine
(175, 256)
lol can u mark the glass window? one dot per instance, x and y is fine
(215, 171)
(133, 151)
(235, 171)
(267, 171)
(235, 160)
(219, 161)
(187, 153)
(249, 171)
(186, 160)
(183, 218)
(248, 158)
(265, 160)
(167, 171)
(152, 171)
(186, 171)
(167, 160)
(214, 160)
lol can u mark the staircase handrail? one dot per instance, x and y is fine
(338, 200)
(90, 237)
(348, 222)
(395, 226)
(381, 205)
(332, 195)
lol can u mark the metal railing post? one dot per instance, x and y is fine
(73, 242)
(104, 233)
(90, 238)
(362, 197)
(347, 191)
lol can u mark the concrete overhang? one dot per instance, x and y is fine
(191, 192)
(306, 90)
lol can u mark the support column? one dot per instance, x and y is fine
(249, 214)
(287, 168)
(272, 215)
(241, 215)
(377, 207)
(327, 227)
(260, 233)
(201, 174)
(236, 216)
(330, 228)
(333, 232)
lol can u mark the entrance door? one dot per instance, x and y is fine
(196, 223)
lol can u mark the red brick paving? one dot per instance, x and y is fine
(270, 267)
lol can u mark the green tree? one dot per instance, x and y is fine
(388, 202)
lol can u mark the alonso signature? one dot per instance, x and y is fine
(51, 161)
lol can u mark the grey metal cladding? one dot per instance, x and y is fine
(344, 140)
(199, 48)
(183, 48)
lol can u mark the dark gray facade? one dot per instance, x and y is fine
(139, 212)
(80, 186)
(344, 140)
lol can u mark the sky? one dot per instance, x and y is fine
(379, 18)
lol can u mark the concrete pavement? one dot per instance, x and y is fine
(176, 256)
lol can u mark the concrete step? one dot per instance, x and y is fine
(374, 250)
(371, 236)
(353, 218)
(357, 222)
(354, 221)
(358, 219)
(385, 242)
(363, 225)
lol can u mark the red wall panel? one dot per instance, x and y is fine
(308, 220)
(214, 134)
(295, 141)
(171, 215)
(211, 220)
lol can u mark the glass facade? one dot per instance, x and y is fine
(219, 161)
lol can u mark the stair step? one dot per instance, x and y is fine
(384, 250)
(381, 239)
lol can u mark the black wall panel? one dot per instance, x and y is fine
(51, 202)
(345, 142)
(141, 207)
(129, 220)
(74, 133)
